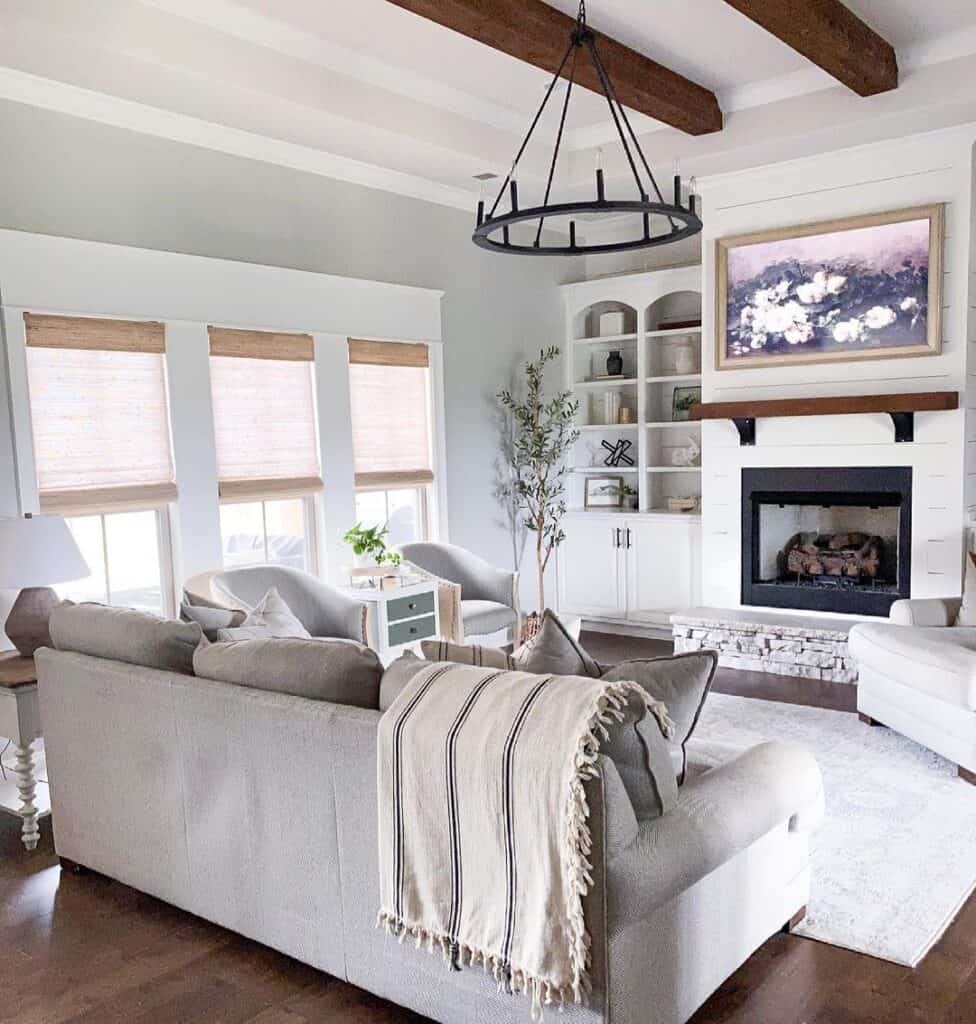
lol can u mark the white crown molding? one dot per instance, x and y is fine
(64, 98)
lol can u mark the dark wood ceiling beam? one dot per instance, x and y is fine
(832, 36)
(538, 34)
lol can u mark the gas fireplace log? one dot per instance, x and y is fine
(854, 555)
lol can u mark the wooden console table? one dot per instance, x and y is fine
(20, 722)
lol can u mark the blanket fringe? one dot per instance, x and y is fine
(608, 707)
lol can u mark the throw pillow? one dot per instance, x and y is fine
(553, 651)
(124, 634)
(466, 654)
(397, 675)
(681, 683)
(966, 616)
(274, 614)
(641, 753)
(342, 672)
(211, 617)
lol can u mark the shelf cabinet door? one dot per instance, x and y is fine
(662, 568)
(591, 576)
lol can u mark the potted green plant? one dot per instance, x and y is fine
(628, 497)
(543, 432)
(369, 546)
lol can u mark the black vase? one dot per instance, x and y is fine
(615, 365)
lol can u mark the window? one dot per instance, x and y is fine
(267, 446)
(390, 400)
(125, 552)
(267, 532)
(102, 451)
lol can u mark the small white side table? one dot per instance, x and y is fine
(398, 619)
(20, 722)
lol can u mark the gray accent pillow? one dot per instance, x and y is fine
(397, 675)
(642, 756)
(124, 634)
(340, 671)
(466, 654)
(273, 613)
(210, 617)
(552, 651)
(681, 683)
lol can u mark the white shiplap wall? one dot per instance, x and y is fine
(935, 167)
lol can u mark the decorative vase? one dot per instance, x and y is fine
(684, 360)
(615, 365)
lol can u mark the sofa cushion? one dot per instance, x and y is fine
(681, 683)
(273, 614)
(482, 617)
(554, 651)
(340, 671)
(466, 654)
(939, 661)
(398, 673)
(124, 634)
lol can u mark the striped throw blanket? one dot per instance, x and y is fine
(483, 821)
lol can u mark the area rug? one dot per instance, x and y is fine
(895, 859)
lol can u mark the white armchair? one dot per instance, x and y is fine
(917, 675)
(489, 596)
(321, 609)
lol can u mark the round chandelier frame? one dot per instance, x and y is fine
(493, 229)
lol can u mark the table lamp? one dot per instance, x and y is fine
(34, 552)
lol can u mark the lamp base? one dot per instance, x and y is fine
(27, 623)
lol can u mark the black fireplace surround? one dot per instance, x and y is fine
(879, 491)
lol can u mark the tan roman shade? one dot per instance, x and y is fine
(390, 424)
(264, 414)
(99, 413)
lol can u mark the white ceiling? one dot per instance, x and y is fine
(361, 89)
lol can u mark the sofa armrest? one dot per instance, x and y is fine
(717, 816)
(927, 611)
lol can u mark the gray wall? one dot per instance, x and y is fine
(62, 175)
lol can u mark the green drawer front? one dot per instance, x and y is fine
(407, 632)
(409, 607)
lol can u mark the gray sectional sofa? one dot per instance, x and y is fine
(257, 810)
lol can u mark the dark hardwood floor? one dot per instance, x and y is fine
(81, 949)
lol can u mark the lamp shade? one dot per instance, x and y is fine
(36, 551)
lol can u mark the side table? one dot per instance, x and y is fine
(20, 722)
(398, 619)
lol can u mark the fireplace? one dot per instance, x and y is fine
(828, 539)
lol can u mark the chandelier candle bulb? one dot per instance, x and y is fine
(600, 191)
(481, 212)
(513, 191)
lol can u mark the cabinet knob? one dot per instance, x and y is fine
(412, 605)
(413, 629)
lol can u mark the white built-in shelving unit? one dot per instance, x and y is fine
(633, 568)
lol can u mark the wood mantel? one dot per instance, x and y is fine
(901, 408)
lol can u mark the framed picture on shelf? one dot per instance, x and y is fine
(682, 399)
(603, 492)
(858, 288)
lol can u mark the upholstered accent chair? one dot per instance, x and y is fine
(917, 675)
(489, 596)
(321, 609)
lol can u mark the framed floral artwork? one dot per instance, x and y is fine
(861, 288)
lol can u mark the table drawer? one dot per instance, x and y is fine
(408, 632)
(410, 607)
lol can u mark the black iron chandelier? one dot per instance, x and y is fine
(493, 229)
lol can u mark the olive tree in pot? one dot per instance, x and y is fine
(543, 432)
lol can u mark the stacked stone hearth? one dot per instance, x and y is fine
(788, 645)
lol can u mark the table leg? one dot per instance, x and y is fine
(26, 787)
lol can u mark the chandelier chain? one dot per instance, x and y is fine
(559, 139)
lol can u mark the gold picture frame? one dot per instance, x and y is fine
(829, 337)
